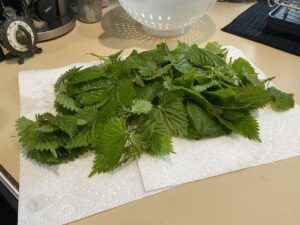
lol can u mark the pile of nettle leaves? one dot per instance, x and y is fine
(124, 108)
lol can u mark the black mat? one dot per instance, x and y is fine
(251, 23)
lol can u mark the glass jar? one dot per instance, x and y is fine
(89, 11)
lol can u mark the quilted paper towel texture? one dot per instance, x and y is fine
(194, 160)
(52, 195)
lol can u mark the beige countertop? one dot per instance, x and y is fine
(264, 195)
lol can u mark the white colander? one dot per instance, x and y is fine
(166, 17)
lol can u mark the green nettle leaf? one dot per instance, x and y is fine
(150, 70)
(63, 156)
(50, 123)
(60, 85)
(116, 56)
(202, 57)
(157, 140)
(47, 128)
(281, 101)
(124, 93)
(161, 144)
(207, 85)
(242, 123)
(170, 112)
(66, 102)
(111, 143)
(88, 74)
(114, 70)
(182, 48)
(141, 107)
(149, 92)
(222, 97)
(67, 124)
(187, 80)
(138, 144)
(81, 122)
(147, 69)
(185, 66)
(92, 97)
(139, 81)
(163, 48)
(162, 71)
(241, 65)
(25, 129)
(197, 98)
(123, 108)
(202, 123)
(22, 124)
(46, 142)
(34, 139)
(82, 138)
(246, 72)
(100, 164)
(240, 98)
(252, 98)
(87, 114)
(216, 48)
(99, 85)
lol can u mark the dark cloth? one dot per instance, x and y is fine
(251, 24)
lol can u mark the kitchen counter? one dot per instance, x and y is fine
(264, 195)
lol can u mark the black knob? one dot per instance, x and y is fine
(21, 37)
(24, 37)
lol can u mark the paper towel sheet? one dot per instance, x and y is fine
(60, 194)
(194, 160)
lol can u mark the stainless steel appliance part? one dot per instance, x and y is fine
(52, 18)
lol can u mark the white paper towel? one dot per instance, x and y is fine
(194, 160)
(51, 195)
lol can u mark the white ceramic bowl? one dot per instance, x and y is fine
(166, 17)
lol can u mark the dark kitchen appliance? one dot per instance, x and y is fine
(17, 35)
(284, 18)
